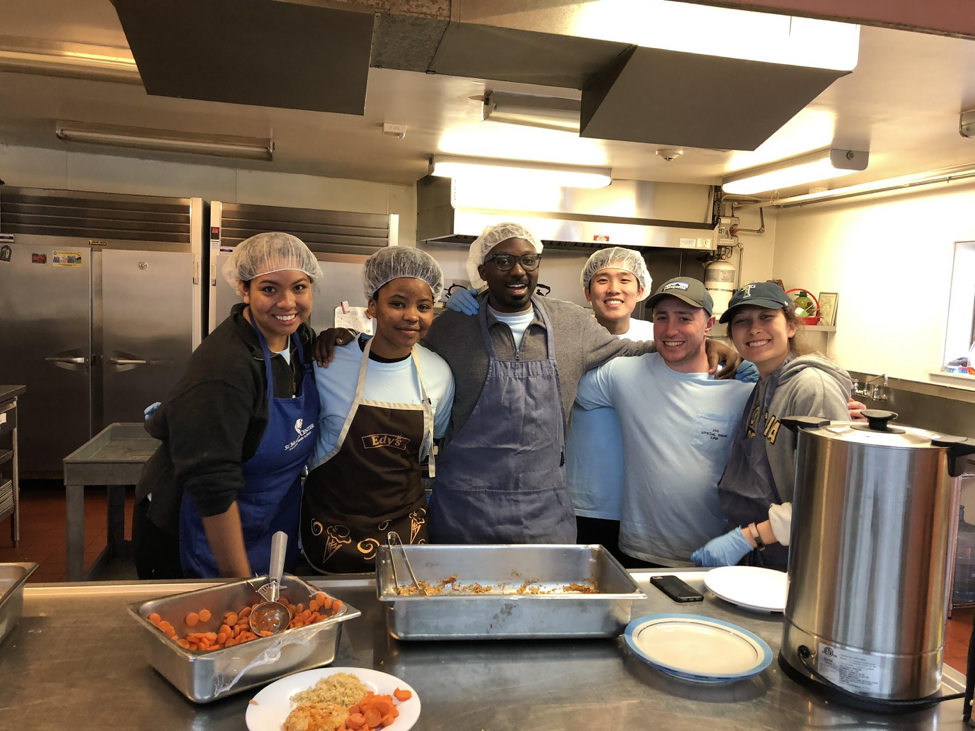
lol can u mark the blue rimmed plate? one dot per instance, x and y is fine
(697, 648)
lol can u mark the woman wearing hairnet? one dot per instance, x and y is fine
(238, 429)
(383, 401)
(614, 280)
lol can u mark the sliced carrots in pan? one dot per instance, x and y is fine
(234, 628)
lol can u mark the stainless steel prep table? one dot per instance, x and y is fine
(76, 662)
(113, 457)
(10, 488)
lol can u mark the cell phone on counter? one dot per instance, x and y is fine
(676, 589)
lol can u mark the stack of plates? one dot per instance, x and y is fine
(699, 649)
(750, 587)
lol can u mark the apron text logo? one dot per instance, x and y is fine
(377, 441)
(303, 432)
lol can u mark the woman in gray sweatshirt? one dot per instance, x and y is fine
(757, 485)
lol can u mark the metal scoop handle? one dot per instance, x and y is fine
(392, 538)
(279, 546)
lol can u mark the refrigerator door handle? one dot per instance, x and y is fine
(127, 361)
(77, 361)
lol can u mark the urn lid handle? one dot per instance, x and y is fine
(877, 419)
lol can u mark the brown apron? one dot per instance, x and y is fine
(369, 483)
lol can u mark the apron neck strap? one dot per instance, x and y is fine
(266, 352)
(536, 307)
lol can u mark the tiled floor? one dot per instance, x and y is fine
(42, 539)
(42, 529)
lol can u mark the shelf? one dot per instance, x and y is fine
(6, 455)
(956, 379)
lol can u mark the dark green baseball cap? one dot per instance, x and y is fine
(689, 290)
(759, 294)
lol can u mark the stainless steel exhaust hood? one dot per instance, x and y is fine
(627, 213)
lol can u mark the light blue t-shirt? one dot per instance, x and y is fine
(393, 382)
(518, 322)
(678, 430)
(594, 452)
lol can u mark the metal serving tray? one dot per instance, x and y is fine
(13, 576)
(205, 676)
(503, 615)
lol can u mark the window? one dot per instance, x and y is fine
(960, 332)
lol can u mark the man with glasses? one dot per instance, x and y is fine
(517, 366)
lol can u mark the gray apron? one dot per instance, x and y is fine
(747, 488)
(502, 478)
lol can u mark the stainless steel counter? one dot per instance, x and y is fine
(75, 662)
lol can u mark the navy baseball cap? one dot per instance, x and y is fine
(689, 290)
(759, 294)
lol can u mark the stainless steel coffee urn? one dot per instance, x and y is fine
(874, 520)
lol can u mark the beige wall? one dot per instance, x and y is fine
(42, 168)
(875, 252)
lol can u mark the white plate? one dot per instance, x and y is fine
(271, 706)
(751, 587)
(707, 649)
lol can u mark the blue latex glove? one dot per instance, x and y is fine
(151, 409)
(747, 372)
(463, 300)
(726, 550)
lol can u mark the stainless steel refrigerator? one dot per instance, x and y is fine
(100, 309)
(342, 241)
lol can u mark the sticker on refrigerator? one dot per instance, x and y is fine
(38, 258)
(5, 253)
(67, 259)
(851, 670)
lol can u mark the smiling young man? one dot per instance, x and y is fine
(614, 281)
(517, 366)
(677, 425)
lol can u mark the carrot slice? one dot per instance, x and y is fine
(355, 720)
(402, 695)
(154, 618)
(373, 718)
(320, 597)
(354, 709)
(230, 619)
(384, 706)
(192, 619)
(388, 720)
(205, 615)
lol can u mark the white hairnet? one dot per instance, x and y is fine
(398, 261)
(619, 258)
(491, 237)
(270, 252)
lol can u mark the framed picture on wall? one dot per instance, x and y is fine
(827, 307)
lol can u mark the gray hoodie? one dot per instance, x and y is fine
(809, 385)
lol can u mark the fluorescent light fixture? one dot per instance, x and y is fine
(72, 60)
(816, 166)
(723, 32)
(531, 110)
(143, 138)
(503, 171)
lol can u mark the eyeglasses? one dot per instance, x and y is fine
(506, 262)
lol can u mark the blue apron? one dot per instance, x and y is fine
(271, 497)
(502, 478)
(747, 488)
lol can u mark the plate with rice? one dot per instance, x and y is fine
(319, 700)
